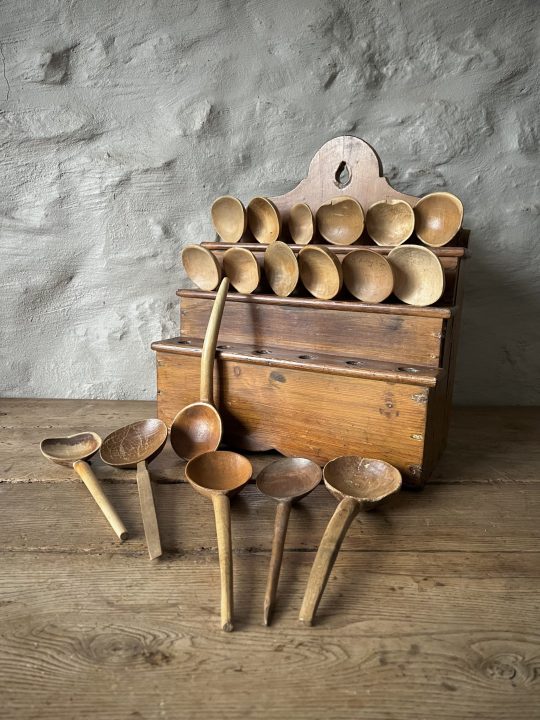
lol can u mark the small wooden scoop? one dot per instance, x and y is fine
(301, 224)
(287, 481)
(241, 267)
(281, 268)
(264, 220)
(341, 220)
(136, 445)
(197, 428)
(359, 484)
(229, 218)
(201, 267)
(217, 475)
(390, 222)
(320, 272)
(438, 218)
(73, 451)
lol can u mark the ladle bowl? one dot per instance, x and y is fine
(287, 481)
(359, 484)
(367, 275)
(418, 275)
(241, 267)
(281, 268)
(390, 222)
(73, 451)
(216, 476)
(320, 272)
(229, 218)
(201, 266)
(301, 224)
(264, 220)
(341, 220)
(135, 445)
(438, 216)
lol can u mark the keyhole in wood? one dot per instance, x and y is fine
(343, 175)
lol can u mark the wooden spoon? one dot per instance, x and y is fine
(286, 480)
(301, 224)
(197, 428)
(438, 218)
(281, 268)
(367, 275)
(217, 475)
(264, 220)
(201, 267)
(241, 267)
(135, 445)
(418, 275)
(73, 451)
(320, 272)
(229, 218)
(359, 484)
(341, 220)
(390, 222)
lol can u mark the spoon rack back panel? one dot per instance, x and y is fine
(322, 378)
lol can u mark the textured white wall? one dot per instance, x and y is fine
(121, 120)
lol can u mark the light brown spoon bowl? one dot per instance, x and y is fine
(341, 220)
(201, 267)
(263, 220)
(359, 484)
(390, 222)
(418, 275)
(229, 218)
(281, 268)
(301, 224)
(438, 218)
(217, 475)
(241, 267)
(367, 275)
(320, 272)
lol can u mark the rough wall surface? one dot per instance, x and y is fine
(120, 121)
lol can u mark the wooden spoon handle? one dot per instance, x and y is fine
(328, 550)
(210, 342)
(222, 512)
(148, 511)
(283, 511)
(85, 472)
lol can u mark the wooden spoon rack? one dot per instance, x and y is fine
(319, 378)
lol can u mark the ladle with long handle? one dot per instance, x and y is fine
(73, 451)
(286, 480)
(197, 428)
(359, 484)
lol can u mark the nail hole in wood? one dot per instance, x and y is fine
(408, 369)
(184, 342)
(356, 363)
(343, 175)
(306, 357)
(262, 352)
(223, 347)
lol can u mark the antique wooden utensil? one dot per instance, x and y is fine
(301, 223)
(418, 275)
(73, 451)
(264, 220)
(390, 222)
(217, 475)
(340, 220)
(229, 218)
(367, 275)
(201, 266)
(438, 218)
(135, 445)
(241, 267)
(286, 480)
(359, 484)
(197, 428)
(281, 268)
(320, 272)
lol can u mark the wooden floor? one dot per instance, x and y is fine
(432, 610)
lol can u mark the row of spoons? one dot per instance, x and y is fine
(436, 219)
(413, 273)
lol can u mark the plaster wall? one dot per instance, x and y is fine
(121, 121)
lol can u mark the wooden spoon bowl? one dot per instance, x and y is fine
(196, 429)
(263, 220)
(320, 272)
(418, 275)
(341, 220)
(439, 217)
(241, 267)
(281, 268)
(134, 443)
(67, 450)
(301, 224)
(201, 267)
(390, 222)
(229, 218)
(367, 275)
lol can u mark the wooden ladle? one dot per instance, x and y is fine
(286, 480)
(229, 218)
(197, 428)
(320, 272)
(438, 218)
(301, 223)
(281, 268)
(135, 445)
(217, 475)
(201, 267)
(73, 451)
(367, 275)
(264, 220)
(341, 220)
(390, 222)
(359, 484)
(241, 267)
